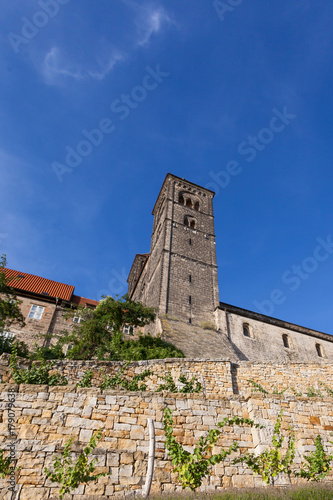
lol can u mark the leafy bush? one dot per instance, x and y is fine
(100, 332)
(70, 475)
(189, 386)
(145, 348)
(35, 375)
(86, 379)
(47, 353)
(317, 463)
(7, 344)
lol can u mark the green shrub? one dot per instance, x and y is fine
(6, 345)
(40, 375)
(119, 381)
(47, 353)
(189, 386)
(86, 379)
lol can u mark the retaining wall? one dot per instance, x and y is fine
(219, 377)
(46, 417)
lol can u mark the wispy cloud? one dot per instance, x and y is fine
(56, 65)
(150, 22)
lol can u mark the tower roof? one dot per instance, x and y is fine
(167, 177)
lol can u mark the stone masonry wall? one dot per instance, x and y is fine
(46, 417)
(222, 378)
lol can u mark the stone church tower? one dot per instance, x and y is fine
(179, 276)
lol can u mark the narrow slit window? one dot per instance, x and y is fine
(286, 342)
(319, 350)
(190, 278)
(190, 299)
(190, 241)
(246, 330)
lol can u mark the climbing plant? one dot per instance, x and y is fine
(271, 462)
(71, 474)
(193, 467)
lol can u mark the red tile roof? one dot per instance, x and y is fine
(36, 284)
(82, 301)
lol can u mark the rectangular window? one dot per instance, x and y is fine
(7, 335)
(128, 329)
(77, 319)
(36, 312)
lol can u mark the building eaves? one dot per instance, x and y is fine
(274, 321)
(35, 284)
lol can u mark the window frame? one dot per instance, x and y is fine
(36, 313)
(247, 327)
(7, 335)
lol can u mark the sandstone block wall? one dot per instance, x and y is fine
(221, 378)
(46, 417)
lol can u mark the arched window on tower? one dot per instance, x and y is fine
(192, 224)
(196, 205)
(286, 342)
(181, 199)
(186, 221)
(189, 203)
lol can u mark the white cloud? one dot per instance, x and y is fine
(151, 22)
(56, 66)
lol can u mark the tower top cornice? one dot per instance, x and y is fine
(186, 185)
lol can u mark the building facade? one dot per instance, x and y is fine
(179, 278)
(44, 304)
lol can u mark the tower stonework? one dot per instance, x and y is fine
(179, 276)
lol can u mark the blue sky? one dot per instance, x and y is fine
(236, 98)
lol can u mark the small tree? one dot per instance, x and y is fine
(101, 329)
(193, 467)
(10, 313)
(270, 463)
(70, 475)
(317, 463)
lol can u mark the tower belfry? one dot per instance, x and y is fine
(179, 276)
